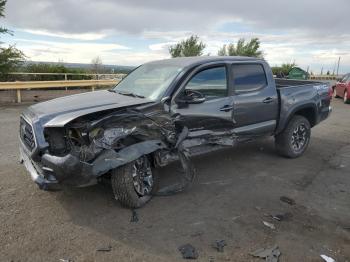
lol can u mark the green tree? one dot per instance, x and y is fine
(2, 14)
(283, 70)
(96, 65)
(286, 67)
(242, 48)
(191, 46)
(10, 57)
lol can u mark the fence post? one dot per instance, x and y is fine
(65, 78)
(93, 87)
(19, 98)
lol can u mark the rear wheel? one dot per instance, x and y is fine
(134, 183)
(346, 99)
(295, 138)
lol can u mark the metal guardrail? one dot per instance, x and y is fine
(18, 86)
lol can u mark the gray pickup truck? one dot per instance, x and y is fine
(165, 111)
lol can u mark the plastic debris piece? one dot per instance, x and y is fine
(270, 225)
(287, 200)
(270, 254)
(327, 258)
(134, 217)
(281, 217)
(105, 249)
(219, 245)
(188, 252)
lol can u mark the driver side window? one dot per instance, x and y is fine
(209, 82)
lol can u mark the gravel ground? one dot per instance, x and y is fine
(235, 191)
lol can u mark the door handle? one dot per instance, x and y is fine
(268, 100)
(226, 108)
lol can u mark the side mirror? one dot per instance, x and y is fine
(194, 100)
(165, 100)
(191, 97)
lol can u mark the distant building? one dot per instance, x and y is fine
(298, 73)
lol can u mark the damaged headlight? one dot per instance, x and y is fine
(112, 138)
(56, 138)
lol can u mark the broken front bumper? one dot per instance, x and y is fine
(54, 171)
(35, 172)
(69, 170)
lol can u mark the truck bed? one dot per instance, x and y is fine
(293, 93)
(284, 83)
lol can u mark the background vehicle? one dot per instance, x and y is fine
(342, 89)
(160, 112)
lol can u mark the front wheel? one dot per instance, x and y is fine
(134, 183)
(295, 138)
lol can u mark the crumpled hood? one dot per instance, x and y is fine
(60, 111)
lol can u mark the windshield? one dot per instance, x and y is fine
(149, 80)
(345, 78)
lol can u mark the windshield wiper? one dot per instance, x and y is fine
(126, 93)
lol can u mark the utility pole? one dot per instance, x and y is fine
(338, 66)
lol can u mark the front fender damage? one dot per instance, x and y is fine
(98, 146)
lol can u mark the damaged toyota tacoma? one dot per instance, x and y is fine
(166, 111)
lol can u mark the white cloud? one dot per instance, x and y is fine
(85, 52)
(136, 16)
(161, 46)
(83, 36)
(310, 32)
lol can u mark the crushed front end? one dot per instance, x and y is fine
(90, 146)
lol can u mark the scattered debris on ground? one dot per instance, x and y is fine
(270, 225)
(327, 258)
(65, 260)
(270, 254)
(219, 245)
(104, 249)
(287, 200)
(282, 217)
(188, 252)
(134, 217)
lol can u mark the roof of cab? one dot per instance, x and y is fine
(195, 60)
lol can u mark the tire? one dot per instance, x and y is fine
(346, 100)
(295, 138)
(123, 184)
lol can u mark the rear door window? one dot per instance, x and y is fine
(248, 77)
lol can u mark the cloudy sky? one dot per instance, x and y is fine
(313, 33)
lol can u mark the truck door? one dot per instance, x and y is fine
(255, 100)
(203, 102)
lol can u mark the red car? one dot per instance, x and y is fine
(342, 89)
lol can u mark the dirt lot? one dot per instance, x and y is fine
(235, 190)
